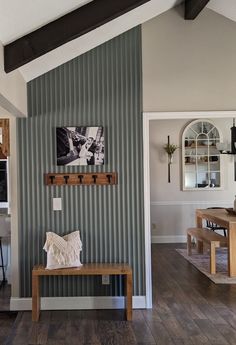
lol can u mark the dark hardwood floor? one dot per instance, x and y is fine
(7, 318)
(5, 294)
(188, 309)
(6, 323)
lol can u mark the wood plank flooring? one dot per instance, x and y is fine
(187, 309)
(5, 294)
(7, 318)
(6, 323)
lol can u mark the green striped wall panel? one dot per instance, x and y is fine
(99, 88)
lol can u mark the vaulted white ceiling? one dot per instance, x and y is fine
(19, 17)
(96, 37)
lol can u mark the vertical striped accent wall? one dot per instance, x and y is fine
(99, 88)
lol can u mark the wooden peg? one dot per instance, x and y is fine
(94, 178)
(52, 178)
(80, 177)
(66, 178)
(109, 177)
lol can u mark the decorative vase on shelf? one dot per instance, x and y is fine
(170, 158)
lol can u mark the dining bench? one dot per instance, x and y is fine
(87, 269)
(209, 237)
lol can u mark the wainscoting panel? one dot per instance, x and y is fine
(170, 219)
(99, 88)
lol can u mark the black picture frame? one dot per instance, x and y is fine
(81, 145)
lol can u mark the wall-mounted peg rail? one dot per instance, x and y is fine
(81, 179)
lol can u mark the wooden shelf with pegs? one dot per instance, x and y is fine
(83, 179)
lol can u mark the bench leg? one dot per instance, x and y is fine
(129, 293)
(189, 244)
(35, 298)
(199, 247)
(213, 258)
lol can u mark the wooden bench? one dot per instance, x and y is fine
(86, 269)
(204, 235)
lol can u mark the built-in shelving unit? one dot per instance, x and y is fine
(201, 159)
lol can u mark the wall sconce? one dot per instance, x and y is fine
(170, 149)
(229, 149)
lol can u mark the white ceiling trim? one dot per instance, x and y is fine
(4, 112)
(9, 108)
(94, 38)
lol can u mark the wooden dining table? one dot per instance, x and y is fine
(223, 218)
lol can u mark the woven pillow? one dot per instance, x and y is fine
(63, 252)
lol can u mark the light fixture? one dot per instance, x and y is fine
(228, 148)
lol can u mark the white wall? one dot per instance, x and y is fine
(5, 224)
(13, 92)
(14, 269)
(173, 210)
(11, 247)
(13, 103)
(189, 65)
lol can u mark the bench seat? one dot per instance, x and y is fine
(86, 269)
(209, 237)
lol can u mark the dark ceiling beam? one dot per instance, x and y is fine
(193, 8)
(64, 29)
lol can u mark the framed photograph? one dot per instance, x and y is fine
(80, 146)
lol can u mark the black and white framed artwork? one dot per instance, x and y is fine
(80, 145)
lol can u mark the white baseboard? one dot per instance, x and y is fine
(77, 303)
(169, 239)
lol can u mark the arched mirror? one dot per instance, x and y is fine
(201, 160)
